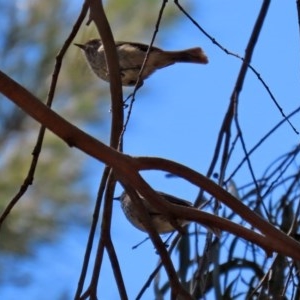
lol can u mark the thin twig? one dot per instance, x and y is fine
(137, 85)
(116, 269)
(92, 233)
(245, 60)
(104, 240)
(259, 143)
(298, 13)
(156, 270)
(37, 149)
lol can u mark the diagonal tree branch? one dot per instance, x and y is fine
(126, 170)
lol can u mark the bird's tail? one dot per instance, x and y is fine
(192, 55)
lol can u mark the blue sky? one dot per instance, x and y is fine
(177, 115)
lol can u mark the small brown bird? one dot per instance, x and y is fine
(131, 58)
(160, 221)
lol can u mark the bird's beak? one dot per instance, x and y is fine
(117, 198)
(80, 46)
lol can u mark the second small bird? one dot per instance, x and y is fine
(131, 58)
(160, 221)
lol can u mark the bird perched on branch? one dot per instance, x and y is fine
(131, 58)
(161, 222)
